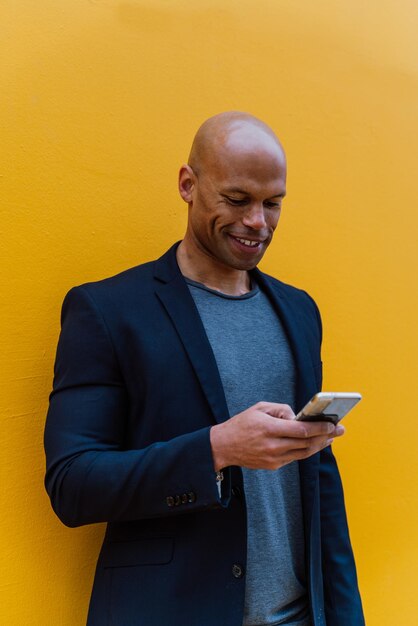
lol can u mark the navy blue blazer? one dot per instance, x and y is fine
(136, 391)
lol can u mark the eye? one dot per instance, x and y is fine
(273, 205)
(236, 201)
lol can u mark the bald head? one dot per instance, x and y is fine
(234, 184)
(230, 134)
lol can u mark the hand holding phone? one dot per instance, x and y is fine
(328, 406)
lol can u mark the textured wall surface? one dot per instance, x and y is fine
(99, 102)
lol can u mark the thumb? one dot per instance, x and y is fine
(283, 411)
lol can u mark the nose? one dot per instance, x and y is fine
(255, 218)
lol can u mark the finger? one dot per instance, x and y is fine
(283, 411)
(339, 430)
(308, 443)
(302, 450)
(302, 430)
(288, 416)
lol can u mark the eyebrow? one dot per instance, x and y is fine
(245, 193)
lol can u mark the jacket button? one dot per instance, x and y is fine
(191, 497)
(170, 501)
(237, 571)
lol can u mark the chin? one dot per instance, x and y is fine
(246, 265)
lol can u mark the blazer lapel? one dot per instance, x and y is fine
(293, 324)
(174, 294)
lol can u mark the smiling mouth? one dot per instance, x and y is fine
(250, 243)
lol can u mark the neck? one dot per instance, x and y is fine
(203, 269)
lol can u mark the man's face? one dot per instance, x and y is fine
(236, 202)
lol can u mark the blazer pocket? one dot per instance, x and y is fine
(146, 551)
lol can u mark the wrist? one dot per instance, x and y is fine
(217, 446)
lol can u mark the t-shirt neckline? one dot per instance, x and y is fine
(245, 296)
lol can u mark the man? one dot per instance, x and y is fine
(172, 418)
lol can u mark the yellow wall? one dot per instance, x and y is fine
(99, 102)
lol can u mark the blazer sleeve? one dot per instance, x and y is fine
(341, 594)
(90, 475)
(342, 598)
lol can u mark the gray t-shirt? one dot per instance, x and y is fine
(255, 363)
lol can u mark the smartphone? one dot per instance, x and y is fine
(328, 406)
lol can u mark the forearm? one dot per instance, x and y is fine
(95, 471)
(163, 479)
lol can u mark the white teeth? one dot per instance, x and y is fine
(247, 242)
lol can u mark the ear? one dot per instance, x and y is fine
(186, 183)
